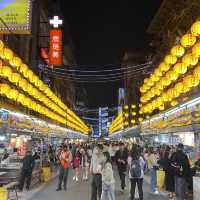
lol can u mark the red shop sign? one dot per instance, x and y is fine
(55, 52)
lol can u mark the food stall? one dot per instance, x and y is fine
(20, 133)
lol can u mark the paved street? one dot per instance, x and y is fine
(81, 191)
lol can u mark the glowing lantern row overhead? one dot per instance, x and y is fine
(177, 63)
(22, 77)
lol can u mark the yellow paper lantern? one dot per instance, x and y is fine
(165, 81)
(194, 81)
(142, 90)
(197, 72)
(140, 119)
(4, 88)
(8, 54)
(126, 115)
(133, 113)
(133, 106)
(170, 59)
(196, 50)
(6, 71)
(14, 78)
(172, 75)
(179, 87)
(158, 73)
(154, 78)
(20, 98)
(162, 107)
(188, 40)
(190, 59)
(126, 107)
(133, 121)
(163, 67)
(1, 45)
(150, 83)
(174, 103)
(23, 68)
(187, 81)
(13, 94)
(195, 29)
(15, 62)
(180, 68)
(164, 97)
(126, 123)
(177, 51)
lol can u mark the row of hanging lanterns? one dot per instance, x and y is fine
(188, 82)
(175, 65)
(117, 124)
(188, 40)
(26, 80)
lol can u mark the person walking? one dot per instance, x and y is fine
(152, 165)
(96, 170)
(84, 164)
(108, 181)
(121, 161)
(165, 163)
(28, 164)
(181, 168)
(65, 158)
(136, 172)
(76, 164)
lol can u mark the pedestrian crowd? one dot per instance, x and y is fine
(166, 167)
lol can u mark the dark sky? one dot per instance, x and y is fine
(102, 31)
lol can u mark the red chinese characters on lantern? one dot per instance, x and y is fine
(55, 53)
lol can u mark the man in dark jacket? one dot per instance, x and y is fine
(121, 157)
(181, 167)
(28, 163)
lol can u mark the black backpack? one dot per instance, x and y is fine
(135, 170)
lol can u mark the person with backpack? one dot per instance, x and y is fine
(136, 172)
(108, 181)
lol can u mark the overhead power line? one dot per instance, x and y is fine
(109, 75)
(121, 68)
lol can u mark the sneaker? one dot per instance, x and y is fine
(74, 178)
(156, 192)
(58, 189)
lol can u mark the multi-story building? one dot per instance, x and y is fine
(28, 48)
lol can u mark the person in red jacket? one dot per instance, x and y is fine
(65, 158)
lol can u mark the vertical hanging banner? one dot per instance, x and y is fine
(55, 53)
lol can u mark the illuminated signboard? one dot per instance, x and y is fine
(15, 16)
(55, 54)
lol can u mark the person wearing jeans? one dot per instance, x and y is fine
(152, 164)
(65, 160)
(108, 181)
(153, 180)
(138, 177)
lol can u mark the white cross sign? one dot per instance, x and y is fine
(56, 21)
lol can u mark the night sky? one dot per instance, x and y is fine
(101, 32)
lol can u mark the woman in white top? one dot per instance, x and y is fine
(136, 172)
(108, 181)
